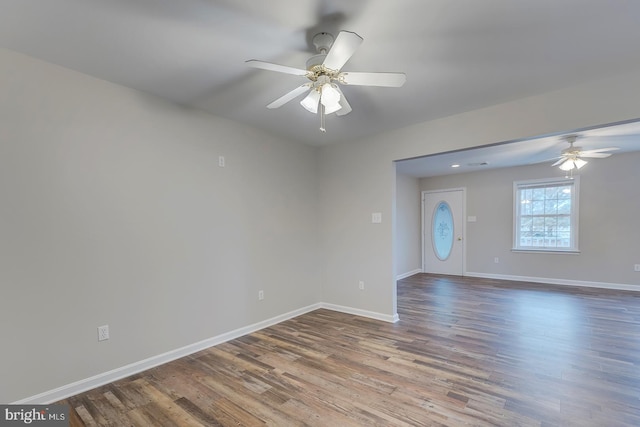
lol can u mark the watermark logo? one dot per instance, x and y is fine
(34, 415)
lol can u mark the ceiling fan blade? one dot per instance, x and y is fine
(536, 162)
(289, 96)
(276, 67)
(599, 150)
(342, 49)
(562, 159)
(373, 79)
(346, 107)
(594, 155)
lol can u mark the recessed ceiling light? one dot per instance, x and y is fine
(455, 165)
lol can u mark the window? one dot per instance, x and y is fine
(546, 215)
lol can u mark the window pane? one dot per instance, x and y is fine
(551, 193)
(550, 206)
(564, 239)
(537, 207)
(442, 232)
(565, 192)
(538, 224)
(538, 194)
(564, 223)
(564, 206)
(550, 222)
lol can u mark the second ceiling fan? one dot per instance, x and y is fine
(324, 73)
(573, 157)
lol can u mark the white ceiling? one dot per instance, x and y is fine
(458, 55)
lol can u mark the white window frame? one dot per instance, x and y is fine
(574, 215)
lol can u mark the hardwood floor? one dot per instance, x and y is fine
(466, 352)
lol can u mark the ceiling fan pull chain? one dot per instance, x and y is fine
(322, 128)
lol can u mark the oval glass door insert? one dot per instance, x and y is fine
(442, 231)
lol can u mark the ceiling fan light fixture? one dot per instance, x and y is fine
(579, 163)
(572, 163)
(330, 95)
(311, 101)
(332, 108)
(330, 98)
(567, 165)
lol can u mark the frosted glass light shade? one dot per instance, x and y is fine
(570, 164)
(567, 165)
(580, 163)
(330, 98)
(311, 101)
(330, 95)
(331, 108)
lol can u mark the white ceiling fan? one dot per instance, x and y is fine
(573, 157)
(324, 73)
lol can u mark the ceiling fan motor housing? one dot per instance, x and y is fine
(571, 150)
(323, 42)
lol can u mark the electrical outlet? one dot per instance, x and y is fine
(636, 267)
(103, 333)
(496, 260)
(260, 295)
(221, 161)
(361, 285)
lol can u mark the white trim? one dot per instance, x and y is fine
(101, 379)
(563, 282)
(364, 313)
(408, 273)
(545, 251)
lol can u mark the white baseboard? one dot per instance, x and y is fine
(409, 273)
(564, 282)
(101, 379)
(364, 313)
(151, 362)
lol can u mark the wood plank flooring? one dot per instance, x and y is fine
(466, 352)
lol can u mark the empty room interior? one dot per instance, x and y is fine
(321, 212)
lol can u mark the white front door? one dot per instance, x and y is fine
(443, 231)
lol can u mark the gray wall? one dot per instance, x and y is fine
(408, 225)
(114, 211)
(609, 236)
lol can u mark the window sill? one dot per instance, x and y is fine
(547, 251)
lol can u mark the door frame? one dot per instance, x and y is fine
(463, 225)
